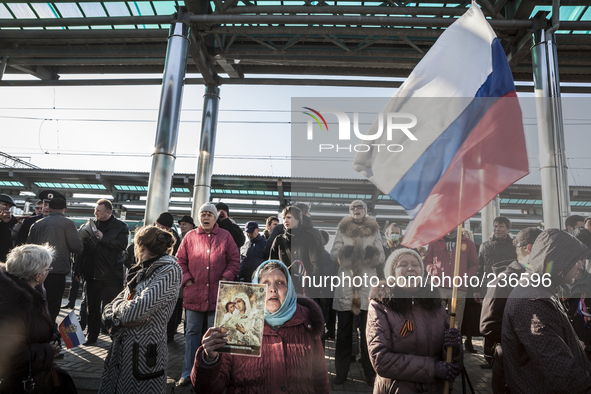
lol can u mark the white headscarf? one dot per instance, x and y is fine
(241, 295)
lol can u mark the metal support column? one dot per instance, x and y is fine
(555, 194)
(487, 217)
(3, 66)
(163, 158)
(209, 122)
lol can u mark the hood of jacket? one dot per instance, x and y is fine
(555, 252)
(351, 229)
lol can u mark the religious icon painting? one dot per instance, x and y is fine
(240, 312)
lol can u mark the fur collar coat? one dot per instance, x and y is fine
(358, 250)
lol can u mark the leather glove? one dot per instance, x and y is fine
(452, 338)
(369, 252)
(348, 250)
(446, 371)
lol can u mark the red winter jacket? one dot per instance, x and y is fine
(437, 261)
(291, 361)
(206, 259)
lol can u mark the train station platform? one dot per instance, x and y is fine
(85, 365)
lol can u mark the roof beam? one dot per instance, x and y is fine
(202, 60)
(233, 70)
(36, 71)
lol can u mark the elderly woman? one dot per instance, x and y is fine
(206, 256)
(408, 331)
(26, 332)
(137, 317)
(292, 357)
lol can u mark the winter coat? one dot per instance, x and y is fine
(406, 364)
(25, 333)
(306, 224)
(138, 358)
(492, 252)
(61, 233)
(541, 352)
(299, 244)
(234, 230)
(6, 238)
(438, 253)
(577, 306)
(358, 250)
(23, 232)
(292, 361)
(493, 304)
(252, 255)
(105, 260)
(279, 229)
(206, 259)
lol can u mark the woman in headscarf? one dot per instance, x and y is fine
(292, 356)
(408, 331)
(137, 317)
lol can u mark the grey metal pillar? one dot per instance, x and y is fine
(3, 66)
(209, 123)
(163, 158)
(487, 217)
(555, 194)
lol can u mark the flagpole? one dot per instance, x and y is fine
(454, 293)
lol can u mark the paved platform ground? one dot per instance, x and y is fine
(85, 364)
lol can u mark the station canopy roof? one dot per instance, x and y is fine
(250, 42)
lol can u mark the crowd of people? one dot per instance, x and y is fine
(537, 333)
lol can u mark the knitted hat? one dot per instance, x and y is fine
(222, 206)
(209, 207)
(390, 269)
(165, 219)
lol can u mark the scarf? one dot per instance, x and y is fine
(288, 308)
(136, 273)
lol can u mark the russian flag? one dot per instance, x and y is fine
(470, 142)
(71, 331)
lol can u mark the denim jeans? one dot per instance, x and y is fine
(193, 336)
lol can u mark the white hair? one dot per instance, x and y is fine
(26, 261)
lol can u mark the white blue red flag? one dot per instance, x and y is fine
(71, 331)
(470, 143)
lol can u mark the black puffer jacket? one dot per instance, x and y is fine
(104, 261)
(25, 333)
(541, 352)
(493, 252)
(235, 231)
(299, 244)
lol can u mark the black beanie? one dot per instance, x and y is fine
(221, 205)
(165, 219)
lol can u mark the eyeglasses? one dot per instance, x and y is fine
(356, 208)
(4, 211)
(48, 269)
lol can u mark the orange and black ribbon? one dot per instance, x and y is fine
(408, 327)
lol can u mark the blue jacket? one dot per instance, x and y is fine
(252, 254)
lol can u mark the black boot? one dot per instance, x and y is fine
(468, 345)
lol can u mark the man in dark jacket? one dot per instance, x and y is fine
(252, 254)
(7, 221)
(493, 305)
(499, 248)
(61, 233)
(101, 264)
(228, 224)
(541, 352)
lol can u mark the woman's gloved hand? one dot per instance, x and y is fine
(446, 371)
(452, 338)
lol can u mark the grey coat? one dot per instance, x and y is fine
(138, 357)
(61, 233)
(541, 352)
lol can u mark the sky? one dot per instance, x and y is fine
(112, 128)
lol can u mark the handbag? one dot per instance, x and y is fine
(59, 381)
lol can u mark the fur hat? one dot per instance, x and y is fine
(358, 202)
(392, 261)
(208, 207)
